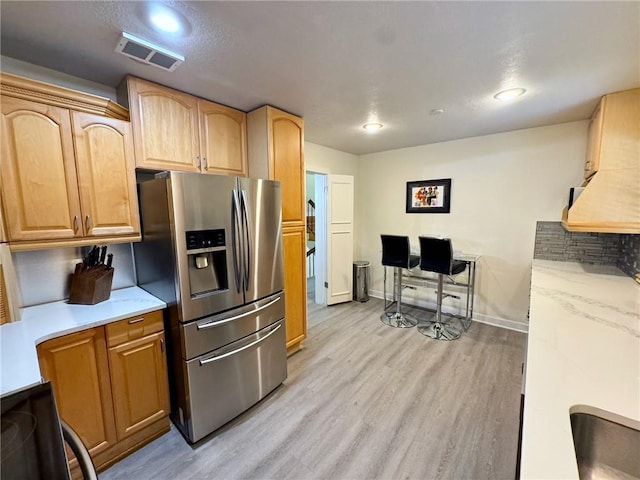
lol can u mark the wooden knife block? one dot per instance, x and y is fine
(91, 286)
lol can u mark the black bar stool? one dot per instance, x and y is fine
(436, 255)
(396, 252)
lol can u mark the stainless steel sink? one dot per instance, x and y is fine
(607, 446)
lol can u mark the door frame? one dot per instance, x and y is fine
(320, 177)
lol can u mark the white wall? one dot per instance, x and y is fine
(501, 185)
(327, 160)
(44, 276)
(36, 72)
(321, 159)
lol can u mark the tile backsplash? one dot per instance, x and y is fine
(553, 242)
(629, 260)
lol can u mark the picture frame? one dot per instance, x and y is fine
(429, 196)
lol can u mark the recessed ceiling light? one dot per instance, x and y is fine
(165, 22)
(509, 94)
(372, 127)
(436, 111)
(164, 19)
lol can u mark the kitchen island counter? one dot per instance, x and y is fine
(583, 349)
(18, 357)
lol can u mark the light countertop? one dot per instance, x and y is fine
(18, 358)
(583, 349)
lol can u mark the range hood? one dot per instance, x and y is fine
(610, 203)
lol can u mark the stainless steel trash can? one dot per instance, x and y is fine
(361, 281)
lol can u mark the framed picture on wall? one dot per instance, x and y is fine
(429, 196)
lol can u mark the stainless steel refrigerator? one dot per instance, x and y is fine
(212, 250)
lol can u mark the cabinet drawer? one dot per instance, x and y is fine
(134, 327)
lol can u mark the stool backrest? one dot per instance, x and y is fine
(436, 254)
(395, 251)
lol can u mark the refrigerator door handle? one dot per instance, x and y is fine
(247, 240)
(236, 240)
(203, 326)
(233, 352)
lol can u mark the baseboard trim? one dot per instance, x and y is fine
(521, 327)
(508, 324)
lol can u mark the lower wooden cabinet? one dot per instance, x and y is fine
(76, 365)
(139, 383)
(295, 286)
(110, 385)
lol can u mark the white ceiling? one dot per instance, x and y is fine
(340, 64)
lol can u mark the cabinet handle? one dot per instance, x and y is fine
(198, 161)
(162, 345)
(204, 163)
(87, 222)
(131, 322)
(75, 223)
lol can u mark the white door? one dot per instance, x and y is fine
(339, 238)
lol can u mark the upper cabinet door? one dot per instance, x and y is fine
(165, 127)
(106, 175)
(39, 185)
(223, 142)
(287, 163)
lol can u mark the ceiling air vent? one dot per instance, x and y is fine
(148, 53)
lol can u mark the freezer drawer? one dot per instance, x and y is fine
(210, 333)
(223, 384)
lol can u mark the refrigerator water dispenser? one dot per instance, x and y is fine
(206, 253)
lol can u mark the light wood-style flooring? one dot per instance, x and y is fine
(365, 401)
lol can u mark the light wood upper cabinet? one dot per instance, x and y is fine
(165, 126)
(176, 131)
(610, 202)
(77, 367)
(614, 133)
(39, 182)
(223, 142)
(289, 169)
(276, 152)
(68, 176)
(106, 175)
